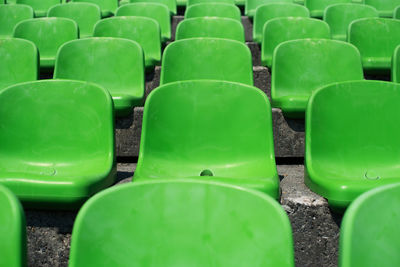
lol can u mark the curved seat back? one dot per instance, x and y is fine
(40, 7)
(384, 7)
(108, 7)
(251, 5)
(11, 15)
(221, 10)
(317, 7)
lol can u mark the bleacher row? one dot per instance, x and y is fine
(206, 184)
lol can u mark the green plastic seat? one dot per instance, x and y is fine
(181, 223)
(145, 31)
(396, 13)
(213, 27)
(371, 224)
(317, 7)
(57, 142)
(193, 2)
(384, 7)
(296, 75)
(267, 12)
(299, 2)
(224, 131)
(171, 4)
(351, 139)
(107, 7)
(114, 63)
(395, 71)
(84, 14)
(207, 58)
(12, 230)
(221, 10)
(157, 11)
(48, 34)
(251, 5)
(19, 62)
(40, 7)
(11, 15)
(280, 30)
(339, 17)
(376, 52)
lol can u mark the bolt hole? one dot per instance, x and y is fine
(206, 173)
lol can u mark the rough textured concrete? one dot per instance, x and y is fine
(255, 50)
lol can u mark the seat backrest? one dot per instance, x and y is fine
(157, 11)
(370, 224)
(280, 30)
(251, 5)
(145, 31)
(267, 12)
(320, 63)
(114, 63)
(48, 34)
(105, 5)
(207, 58)
(384, 7)
(396, 13)
(193, 2)
(213, 27)
(84, 14)
(395, 74)
(19, 62)
(191, 223)
(376, 39)
(317, 7)
(12, 231)
(11, 15)
(339, 17)
(171, 4)
(222, 10)
(40, 7)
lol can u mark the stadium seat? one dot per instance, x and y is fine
(351, 139)
(40, 7)
(171, 4)
(207, 58)
(12, 230)
(11, 15)
(317, 7)
(267, 12)
(384, 7)
(114, 63)
(395, 74)
(48, 34)
(213, 27)
(280, 30)
(224, 131)
(181, 223)
(57, 142)
(396, 13)
(157, 11)
(376, 52)
(222, 10)
(321, 62)
(251, 5)
(19, 62)
(339, 17)
(370, 225)
(145, 31)
(108, 7)
(84, 14)
(193, 2)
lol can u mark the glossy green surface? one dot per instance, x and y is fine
(339, 17)
(317, 7)
(230, 142)
(301, 66)
(222, 10)
(84, 14)
(171, 4)
(48, 34)
(354, 148)
(57, 142)
(40, 7)
(114, 63)
(11, 15)
(192, 59)
(108, 7)
(370, 225)
(193, 2)
(395, 73)
(181, 223)
(213, 27)
(384, 7)
(267, 12)
(157, 11)
(396, 13)
(19, 62)
(280, 30)
(145, 31)
(12, 230)
(376, 53)
(251, 5)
